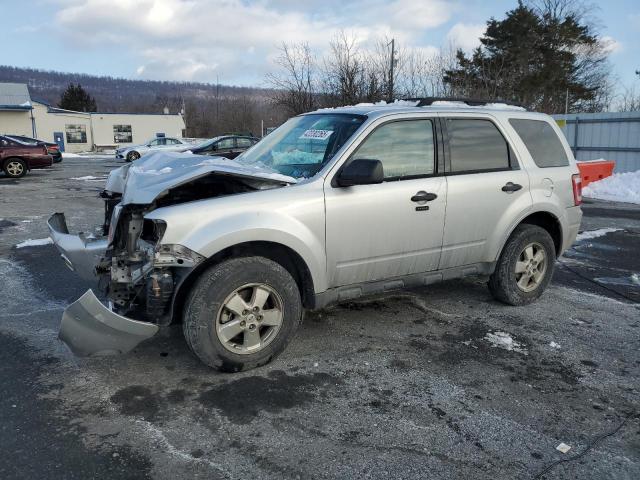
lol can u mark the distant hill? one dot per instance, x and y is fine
(209, 109)
(123, 95)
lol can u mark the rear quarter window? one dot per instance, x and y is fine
(541, 141)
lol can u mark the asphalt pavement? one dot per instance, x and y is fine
(440, 382)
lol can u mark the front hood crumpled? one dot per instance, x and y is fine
(155, 173)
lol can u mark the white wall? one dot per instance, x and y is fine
(47, 123)
(16, 122)
(143, 126)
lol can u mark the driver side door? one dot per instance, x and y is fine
(392, 229)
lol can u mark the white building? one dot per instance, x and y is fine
(79, 131)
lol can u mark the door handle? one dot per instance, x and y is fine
(422, 196)
(511, 187)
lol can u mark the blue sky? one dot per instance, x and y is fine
(236, 40)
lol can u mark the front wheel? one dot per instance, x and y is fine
(525, 266)
(132, 156)
(242, 313)
(15, 168)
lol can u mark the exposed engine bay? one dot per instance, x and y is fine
(138, 275)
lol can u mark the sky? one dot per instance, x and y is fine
(236, 41)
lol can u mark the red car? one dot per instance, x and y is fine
(16, 158)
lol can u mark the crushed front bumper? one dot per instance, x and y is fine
(81, 254)
(91, 329)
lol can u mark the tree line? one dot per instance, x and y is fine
(544, 54)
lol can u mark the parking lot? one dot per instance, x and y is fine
(440, 382)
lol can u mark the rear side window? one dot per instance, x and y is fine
(542, 142)
(405, 148)
(476, 145)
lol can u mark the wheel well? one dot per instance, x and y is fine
(550, 223)
(277, 252)
(15, 157)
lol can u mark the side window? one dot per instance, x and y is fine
(405, 148)
(476, 145)
(244, 142)
(225, 143)
(542, 142)
(154, 143)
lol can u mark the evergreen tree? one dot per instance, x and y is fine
(76, 98)
(537, 58)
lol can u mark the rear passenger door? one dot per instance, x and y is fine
(487, 188)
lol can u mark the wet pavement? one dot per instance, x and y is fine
(440, 382)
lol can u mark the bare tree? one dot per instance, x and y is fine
(294, 85)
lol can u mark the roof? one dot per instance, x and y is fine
(380, 109)
(14, 96)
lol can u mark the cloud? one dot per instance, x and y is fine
(466, 35)
(199, 39)
(610, 44)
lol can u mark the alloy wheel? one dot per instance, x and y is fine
(531, 267)
(249, 318)
(15, 169)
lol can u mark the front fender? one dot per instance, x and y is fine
(210, 226)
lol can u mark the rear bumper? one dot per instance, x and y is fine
(89, 328)
(79, 253)
(574, 219)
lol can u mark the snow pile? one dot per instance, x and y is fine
(554, 345)
(505, 341)
(35, 243)
(89, 178)
(591, 234)
(619, 187)
(395, 103)
(70, 155)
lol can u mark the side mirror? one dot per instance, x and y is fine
(361, 172)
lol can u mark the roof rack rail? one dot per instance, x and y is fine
(472, 102)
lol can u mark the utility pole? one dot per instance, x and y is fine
(217, 99)
(391, 66)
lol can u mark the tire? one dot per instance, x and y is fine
(15, 167)
(521, 276)
(132, 156)
(209, 316)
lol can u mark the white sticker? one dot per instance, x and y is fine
(317, 134)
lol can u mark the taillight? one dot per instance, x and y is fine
(576, 181)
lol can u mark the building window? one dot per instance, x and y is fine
(122, 134)
(76, 133)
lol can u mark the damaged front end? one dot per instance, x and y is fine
(138, 275)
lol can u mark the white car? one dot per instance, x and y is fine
(166, 144)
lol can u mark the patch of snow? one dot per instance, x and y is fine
(590, 234)
(619, 187)
(505, 341)
(89, 178)
(70, 155)
(554, 345)
(592, 161)
(563, 447)
(35, 242)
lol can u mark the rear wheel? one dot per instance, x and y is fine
(131, 156)
(525, 266)
(15, 168)
(242, 313)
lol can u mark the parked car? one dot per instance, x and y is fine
(52, 148)
(228, 146)
(167, 144)
(332, 205)
(17, 158)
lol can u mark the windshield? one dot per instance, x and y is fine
(301, 146)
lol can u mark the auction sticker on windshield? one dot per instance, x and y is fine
(317, 134)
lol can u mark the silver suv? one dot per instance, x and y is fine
(333, 205)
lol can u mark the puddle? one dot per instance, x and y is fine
(629, 281)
